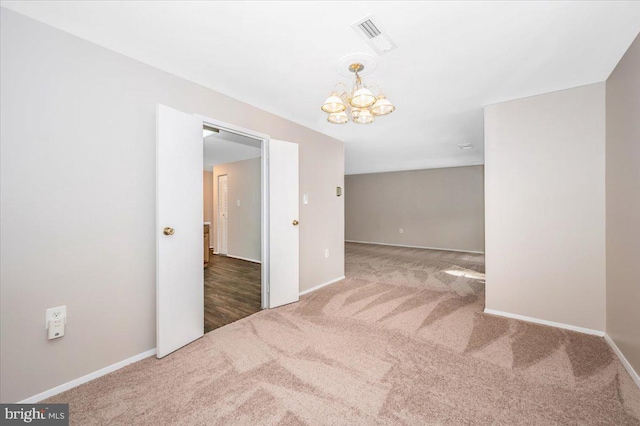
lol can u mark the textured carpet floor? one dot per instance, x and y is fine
(402, 340)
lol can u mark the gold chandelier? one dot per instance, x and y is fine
(360, 103)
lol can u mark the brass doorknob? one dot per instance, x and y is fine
(168, 231)
(295, 223)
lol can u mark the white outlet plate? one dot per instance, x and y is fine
(326, 252)
(55, 313)
(305, 198)
(401, 230)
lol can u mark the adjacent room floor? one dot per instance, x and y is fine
(402, 340)
(232, 291)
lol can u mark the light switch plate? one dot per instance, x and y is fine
(305, 198)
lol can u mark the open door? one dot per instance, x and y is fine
(179, 278)
(284, 258)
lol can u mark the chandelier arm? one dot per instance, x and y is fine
(344, 91)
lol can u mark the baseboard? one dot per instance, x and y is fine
(545, 322)
(627, 366)
(87, 378)
(244, 258)
(419, 247)
(321, 285)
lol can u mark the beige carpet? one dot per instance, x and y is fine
(400, 341)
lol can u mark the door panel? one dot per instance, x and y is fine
(284, 272)
(179, 275)
(223, 214)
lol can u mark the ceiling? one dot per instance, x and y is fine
(225, 147)
(452, 59)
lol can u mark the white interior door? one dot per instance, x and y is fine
(179, 276)
(223, 214)
(284, 258)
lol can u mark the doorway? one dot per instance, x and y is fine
(232, 182)
(179, 224)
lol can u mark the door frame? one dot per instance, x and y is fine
(264, 196)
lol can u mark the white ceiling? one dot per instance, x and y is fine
(452, 59)
(225, 147)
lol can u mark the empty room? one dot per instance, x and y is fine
(306, 213)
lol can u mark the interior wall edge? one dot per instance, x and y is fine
(87, 377)
(564, 326)
(625, 363)
(418, 247)
(319, 286)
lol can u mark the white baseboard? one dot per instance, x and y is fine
(627, 366)
(87, 378)
(419, 247)
(321, 285)
(244, 258)
(545, 322)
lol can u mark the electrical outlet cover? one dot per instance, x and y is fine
(55, 313)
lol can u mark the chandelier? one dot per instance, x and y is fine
(360, 103)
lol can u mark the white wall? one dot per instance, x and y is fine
(78, 200)
(438, 208)
(545, 206)
(244, 220)
(623, 205)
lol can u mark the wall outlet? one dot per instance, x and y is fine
(326, 252)
(57, 313)
(55, 320)
(401, 231)
(238, 202)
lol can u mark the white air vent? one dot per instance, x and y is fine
(373, 33)
(369, 29)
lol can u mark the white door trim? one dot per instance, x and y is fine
(264, 226)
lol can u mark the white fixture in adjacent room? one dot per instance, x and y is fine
(208, 132)
(465, 146)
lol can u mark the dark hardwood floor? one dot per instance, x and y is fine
(232, 291)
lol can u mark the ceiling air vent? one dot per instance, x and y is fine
(373, 33)
(369, 29)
